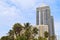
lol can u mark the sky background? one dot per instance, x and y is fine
(22, 11)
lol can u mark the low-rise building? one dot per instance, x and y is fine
(42, 29)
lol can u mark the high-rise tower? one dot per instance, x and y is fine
(43, 17)
(52, 25)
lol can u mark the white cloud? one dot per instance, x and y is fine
(5, 10)
(24, 4)
(8, 14)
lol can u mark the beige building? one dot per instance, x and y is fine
(42, 29)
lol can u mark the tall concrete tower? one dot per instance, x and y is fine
(52, 25)
(43, 17)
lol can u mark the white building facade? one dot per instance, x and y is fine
(43, 17)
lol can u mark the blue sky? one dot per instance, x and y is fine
(22, 11)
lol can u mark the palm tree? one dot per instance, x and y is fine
(11, 34)
(35, 31)
(28, 31)
(17, 28)
(27, 25)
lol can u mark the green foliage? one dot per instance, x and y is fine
(35, 30)
(27, 25)
(52, 37)
(5, 38)
(35, 39)
(41, 38)
(46, 34)
(21, 37)
(23, 32)
(17, 28)
(11, 33)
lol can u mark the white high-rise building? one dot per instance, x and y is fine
(43, 17)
